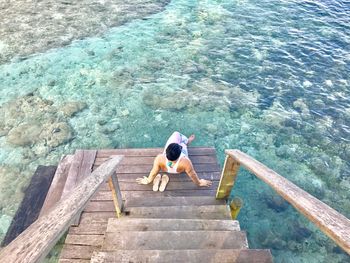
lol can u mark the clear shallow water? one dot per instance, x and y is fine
(268, 77)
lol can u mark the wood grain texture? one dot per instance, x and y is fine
(106, 195)
(57, 185)
(180, 212)
(228, 178)
(176, 240)
(156, 224)
(135, 160)
(144, 169)
(153, 152)
(70, 252)
(127, 177)
(172, 186)
(34, 197)
(37, 240)
(81, 166)
(330, 222)
(192, 256)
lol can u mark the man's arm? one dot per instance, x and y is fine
(194, 177)
(153, 173)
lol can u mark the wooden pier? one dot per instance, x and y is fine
(183, 224)
(110, 218)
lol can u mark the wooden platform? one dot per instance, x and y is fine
(181, 218)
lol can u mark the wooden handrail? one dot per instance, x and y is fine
(37, 240)
(328, 220)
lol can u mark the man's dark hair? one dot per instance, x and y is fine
(173, 151)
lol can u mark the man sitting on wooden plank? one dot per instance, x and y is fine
(174, 159)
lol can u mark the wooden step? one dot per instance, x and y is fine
(173, 201)
(108, 206)
(153, 152)
(180, 212)
(155, 224)
(172, 186)
(193, 256)
(57, 184)
(106, 195)
(136, 160)
(174, 240)
(173, 177)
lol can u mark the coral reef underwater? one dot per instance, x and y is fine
(270, 78)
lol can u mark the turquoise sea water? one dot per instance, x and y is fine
(270, 78)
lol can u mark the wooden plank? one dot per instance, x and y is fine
(91, 228)
(87, 218)
(136, 160)
(38, 239)
(146, 168)
(188, 255)
(152, 151)
(180, 212)
(116, 194)
(57, 185)
(77, 252)
(175, 240)
(172, 186)
(106, 195)
(34, 197)
(173, 177)
(331, 222)
(173, 201)
(84, 240)
(156, 224)
(81, 166)
(74, 261)
(228, 178)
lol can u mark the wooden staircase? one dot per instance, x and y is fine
(183, 224)
(186, 223)
(176, 229)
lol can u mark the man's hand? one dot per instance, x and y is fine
(143, 180)
(204, 183)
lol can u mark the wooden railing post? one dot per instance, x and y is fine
(228, 177)
(116, 194)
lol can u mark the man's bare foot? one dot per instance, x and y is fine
(191, 139)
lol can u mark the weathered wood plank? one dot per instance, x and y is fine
(116, 194)
(84, 240)
(87, 218)
(77, 252)
(193, 256)
(172, 186)
(73, 261)
(228, 178)
(81, 166)
(152, 151)
(89, 228)
(173, 201)
(136, 160)
(331, 222)
(164, 224)
(57, 185)
(34, 197)
(180, 212)
(106, 195)
(173, 177)
(38, 239)
(175, 240)
(146, 168)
